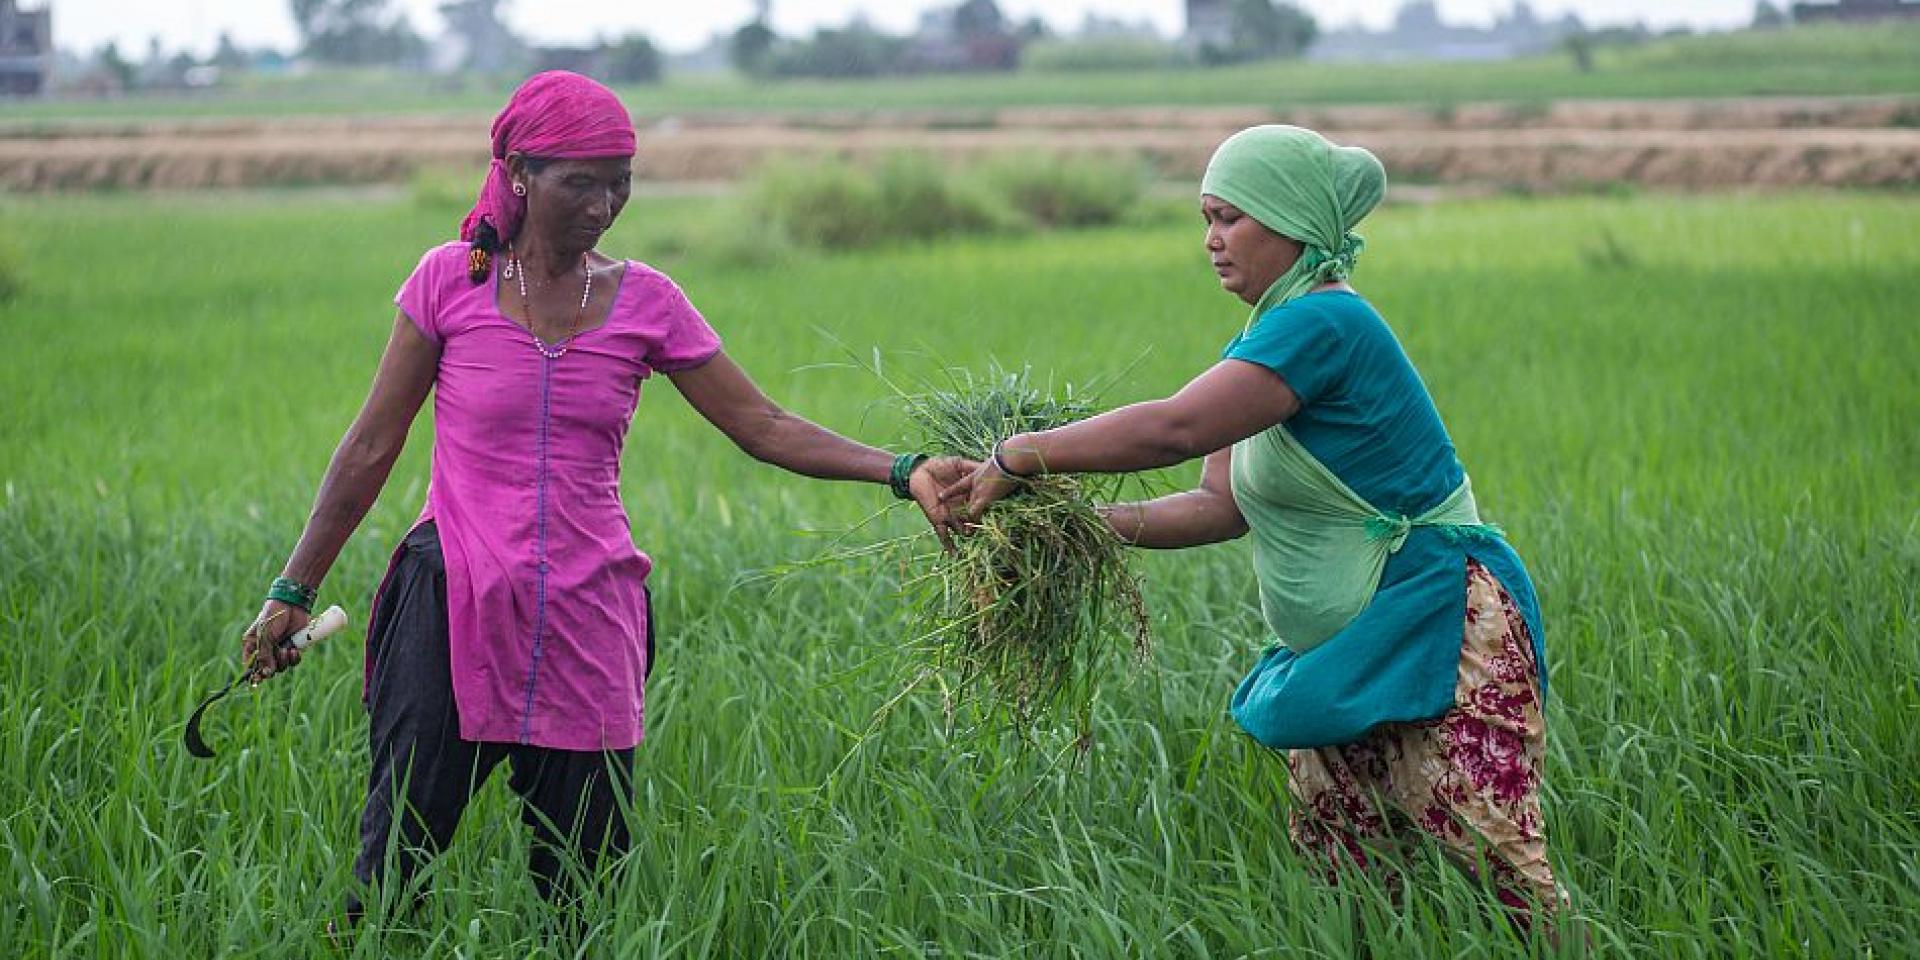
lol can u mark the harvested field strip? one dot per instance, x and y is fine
(1700, 145)
(1731, 113)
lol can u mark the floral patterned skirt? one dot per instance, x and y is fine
(1469, 779)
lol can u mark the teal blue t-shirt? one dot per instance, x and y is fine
(1366, 415)
(1363, 410)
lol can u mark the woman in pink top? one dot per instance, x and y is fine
(513, 623)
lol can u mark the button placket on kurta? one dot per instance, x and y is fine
(540, 559)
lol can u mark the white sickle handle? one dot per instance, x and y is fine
(319, 628)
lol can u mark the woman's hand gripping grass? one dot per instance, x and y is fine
(968, 498)
(929, 484)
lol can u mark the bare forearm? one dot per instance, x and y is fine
(1227, 404)
(1190, 519)
(806, 448)
(352, 483)
(1140, 436)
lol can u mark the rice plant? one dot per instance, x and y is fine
(1709, 470)
(1027, 616)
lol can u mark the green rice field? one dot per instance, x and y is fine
(1698, 419)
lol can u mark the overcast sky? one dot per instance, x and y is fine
(83, 25)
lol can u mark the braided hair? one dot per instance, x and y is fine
(487, 240)
(486, 243)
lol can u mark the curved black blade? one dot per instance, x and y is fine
(196, 744)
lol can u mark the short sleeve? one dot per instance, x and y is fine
(419, 296)
(1301, 342)
(679, 338)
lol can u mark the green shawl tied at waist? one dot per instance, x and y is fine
(1298, 185)
(1318, 548)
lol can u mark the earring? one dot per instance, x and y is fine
(519, 189)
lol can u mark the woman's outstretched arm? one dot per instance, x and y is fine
(353, 480)
(729, 399)
(1230, 402)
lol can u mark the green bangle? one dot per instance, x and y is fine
(901, 477)
(293, 593)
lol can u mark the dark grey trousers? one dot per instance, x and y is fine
(423, 774)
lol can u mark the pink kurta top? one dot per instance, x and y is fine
(545, 610)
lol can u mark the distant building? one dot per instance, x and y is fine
(1099, 27)
(1096, 27)
(1418, 33)
(1856, 11)
(26, 50)
(942, 44)
(273, 63)
(1209, 24)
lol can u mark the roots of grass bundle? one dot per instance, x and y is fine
(1028, 615)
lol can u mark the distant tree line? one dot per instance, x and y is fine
(971, 35)
(1263, 30)
(976, 35)
(478, 40)
(108, 70)
(356, 31)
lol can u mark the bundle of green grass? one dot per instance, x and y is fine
(1028, 616)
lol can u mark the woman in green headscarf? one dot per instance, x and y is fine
(1405, 674)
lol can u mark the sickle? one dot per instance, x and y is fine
(322, 626)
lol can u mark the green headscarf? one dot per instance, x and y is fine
(1298, 185)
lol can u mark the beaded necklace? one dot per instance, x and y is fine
(518, 271)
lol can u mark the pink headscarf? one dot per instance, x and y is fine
(554, 114)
